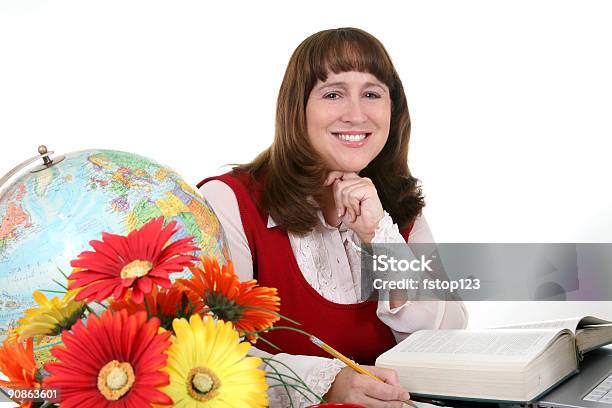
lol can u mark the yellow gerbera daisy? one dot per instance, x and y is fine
(51, 317)
(208, 367)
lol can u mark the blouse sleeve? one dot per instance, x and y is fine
(225, 205)
(416, 315)
(317, 372)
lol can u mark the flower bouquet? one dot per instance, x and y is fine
(131, 337)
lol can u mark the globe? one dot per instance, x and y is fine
(48, 217)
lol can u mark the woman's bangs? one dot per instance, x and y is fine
(343, 52)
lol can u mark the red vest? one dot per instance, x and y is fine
(352, 329)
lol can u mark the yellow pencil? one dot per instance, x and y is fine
(329, 349)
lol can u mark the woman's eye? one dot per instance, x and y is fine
(372, 95)
(331, 95)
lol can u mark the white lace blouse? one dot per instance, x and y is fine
(330, 260)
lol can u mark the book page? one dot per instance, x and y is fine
(592, 337)
(593, 321)
(508, 343)
(572, 324)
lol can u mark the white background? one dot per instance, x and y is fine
(510, 101)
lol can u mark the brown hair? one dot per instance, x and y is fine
(291, 170)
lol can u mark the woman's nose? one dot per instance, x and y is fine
(354, 111)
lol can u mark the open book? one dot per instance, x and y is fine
(515, 363)
(590, 332)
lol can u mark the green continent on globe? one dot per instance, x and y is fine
(48, 218)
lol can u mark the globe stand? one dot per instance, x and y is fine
(42, 154)
(47, 162)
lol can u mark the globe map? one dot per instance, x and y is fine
(47, 218)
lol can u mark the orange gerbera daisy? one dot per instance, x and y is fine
(17, 363)
(165, 304)
(138, 261)
(116, 360)
(219, 290)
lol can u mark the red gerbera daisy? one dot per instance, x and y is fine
(137, 261)
(248, 306)
(165, 304)
(114, 361)
(18, 364)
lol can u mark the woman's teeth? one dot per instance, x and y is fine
(351, 138)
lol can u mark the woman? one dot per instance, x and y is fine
(336, 176)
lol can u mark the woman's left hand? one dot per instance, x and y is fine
(356, 202)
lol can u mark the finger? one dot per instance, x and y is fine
(355, 205)
(357, 193)
(346, 198)
(386, 374)
(339, 190)
(380, 390)
(354, 195)
(338, 186)
(340, 208)
(332, 176)
(390, 377)
(350, 215)
(341, 175)
(387, 392)
(350, 176)
(352, 202)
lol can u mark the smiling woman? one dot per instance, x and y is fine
(327, 61)
(336, 176)
(348, 119)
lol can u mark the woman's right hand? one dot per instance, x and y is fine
(350, 386)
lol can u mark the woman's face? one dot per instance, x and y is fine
(348, 118)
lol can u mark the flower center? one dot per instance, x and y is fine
(202, 383)
(115, 379)
(136, 269)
